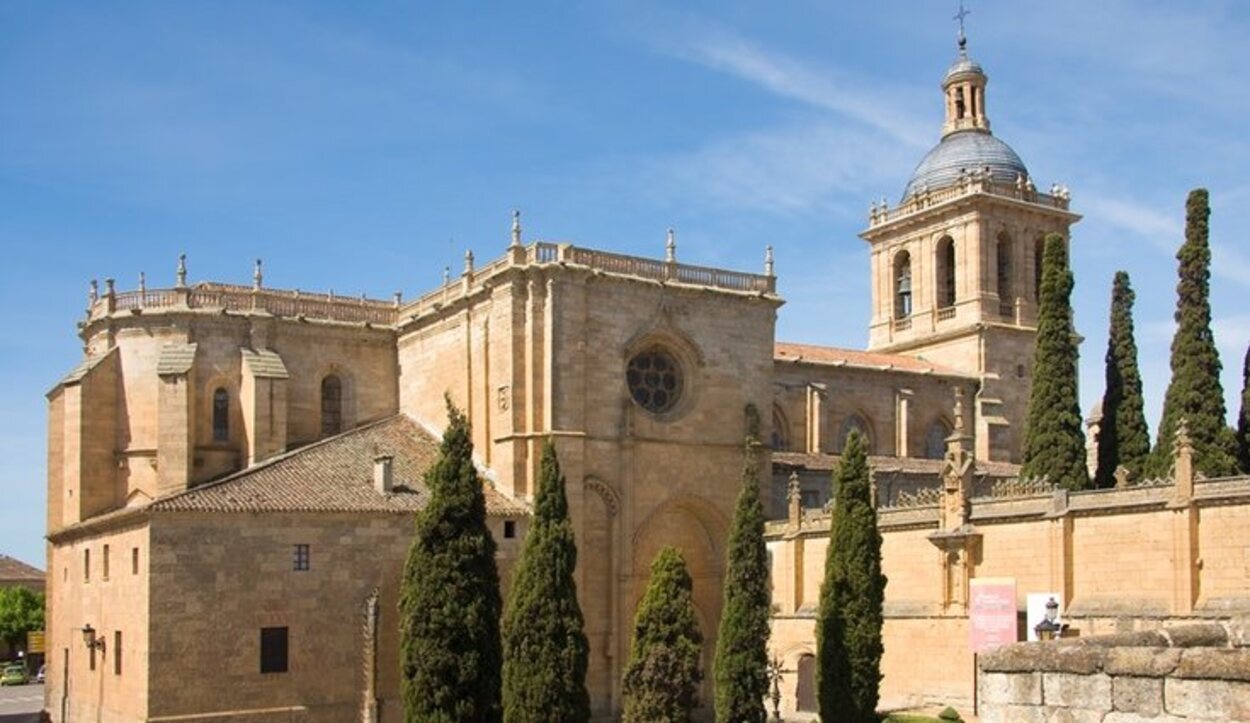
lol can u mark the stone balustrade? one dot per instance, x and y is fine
(331, 307)
(972, 184)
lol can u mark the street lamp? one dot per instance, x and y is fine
(774, 673)
(90, 640)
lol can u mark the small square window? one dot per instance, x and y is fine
(273, 650)
(302, 558)
(509, 529)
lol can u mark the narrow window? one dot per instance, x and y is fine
(273, 650)
(805, 692)
(134, 561)
(509, 529)
(1038, 252)
(935, 440)
(86, 565)
(945, 272)
(902, 285)
(117, 652)
(302, 558)
(221, 415)
(1006, 295)
(960, 108)
(91, 658)
(106, 563)
(331, 406)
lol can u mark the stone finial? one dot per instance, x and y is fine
(258, 276)
(399, 298)
(181, 279)
(446, 275)
(109, 289)
(93, 291)
(516, 230)
(768, 261)
(959, 411)
(143, 282)
(794, 499)
(670, 247)
(468, 262)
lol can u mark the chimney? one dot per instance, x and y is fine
(383, 474)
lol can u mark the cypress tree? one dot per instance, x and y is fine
(545, 650)
(1243, 419)
(1123, 439)
(1195, 393)
(1054, 443)
(742, 641)
(849, 619)
(450, 654)
(663, 674)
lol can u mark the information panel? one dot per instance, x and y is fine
(992, 618)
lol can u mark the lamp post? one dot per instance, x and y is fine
(774, 673)
(90, 640)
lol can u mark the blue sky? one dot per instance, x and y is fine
(363, 146)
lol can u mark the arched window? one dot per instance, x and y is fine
(902, 285)
(805, 687)
(935, 439)
(1039, 249)
(854, 423)
(945, 272)
(1006, 294)
(331, 406)
(221, 415)
(781, 430)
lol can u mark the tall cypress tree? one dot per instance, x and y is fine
(1195, 393)
(663, 674)
(742, 641)
(1123, 439)
(545, 650)
(849, 619)
(1054, 443)
(1243, 419)
(449, 604)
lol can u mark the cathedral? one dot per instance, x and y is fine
(233, 469)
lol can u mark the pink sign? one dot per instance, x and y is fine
(991, 613)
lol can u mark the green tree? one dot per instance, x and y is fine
(849, 619)
(450, 654)
(1123, 440)
(663, 674)
(1195, 393)
(740, 670)
(21, 611)
(545, 649)
(1243, 419)
(1054, 442)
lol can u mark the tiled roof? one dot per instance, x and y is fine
(836, 356)
(13, 570)
(333, 475)
(175, 359)
(906, 465)
(265, 364)
(78, 372)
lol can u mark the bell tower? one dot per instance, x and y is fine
(956, 264)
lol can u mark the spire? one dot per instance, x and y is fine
(670, 247)
(963, 38)
(516, 230)
(964, 86)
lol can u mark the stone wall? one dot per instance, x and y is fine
(1186, 673)
(1124, 560)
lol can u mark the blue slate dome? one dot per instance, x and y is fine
(970, 150)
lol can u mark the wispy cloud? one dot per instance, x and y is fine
(826, 88)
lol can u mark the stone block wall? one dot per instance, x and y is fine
(1198, 672)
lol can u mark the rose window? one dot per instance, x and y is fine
(654, 380)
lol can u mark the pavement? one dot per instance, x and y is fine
(21, 703)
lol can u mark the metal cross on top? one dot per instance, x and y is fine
(963, 13)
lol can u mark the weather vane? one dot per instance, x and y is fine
(963, 13)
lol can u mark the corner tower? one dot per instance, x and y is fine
(956, 264)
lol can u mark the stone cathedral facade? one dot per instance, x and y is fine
(233, 469)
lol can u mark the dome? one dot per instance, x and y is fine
(962, 65)
(969, 150)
